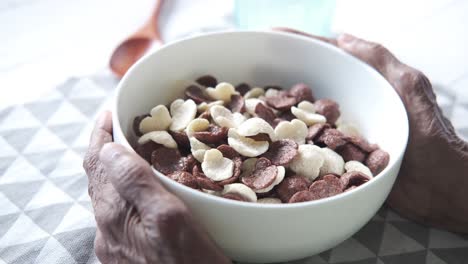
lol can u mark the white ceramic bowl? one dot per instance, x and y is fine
(270, 233)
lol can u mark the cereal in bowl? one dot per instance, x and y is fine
(257, 144)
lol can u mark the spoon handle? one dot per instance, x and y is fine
(153, 20)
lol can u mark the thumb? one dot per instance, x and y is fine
(371, 53)
(131, 176)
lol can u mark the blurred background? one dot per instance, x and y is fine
(44, 41)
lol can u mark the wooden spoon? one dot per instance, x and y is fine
(135, 46)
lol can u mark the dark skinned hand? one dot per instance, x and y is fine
(432, 186)
(138, 220)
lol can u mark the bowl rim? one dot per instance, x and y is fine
(283, 206)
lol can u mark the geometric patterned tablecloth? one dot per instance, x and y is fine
(46, 215)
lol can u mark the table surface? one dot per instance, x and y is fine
(53, 80)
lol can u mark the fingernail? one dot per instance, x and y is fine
(345, 37)
(110, 152)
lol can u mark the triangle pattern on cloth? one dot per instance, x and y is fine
(364, 261)
(49, 217)
(395, 242)
(86, 88)
(458, 117)
(106, 80)
(66, 87)
(326, 255)
(309, 260)
(76, 218)
(382, 212)
(7, 221)
(73, 186)
(67, 113)
(394, 216)
(93, 259)
(19, 117)
(6, 206)
(43, 141)
(21, 193)
(88, 106)
(85, 134)
(81, 151)
(463, 133)
(19, 138)
(88, 205)
(452, 255)
(443, 239)
(23, 253)
(20, 171)
(42, 110)
(350, 250)
(433, 259)
(45, 161)
(24, 230)
(67, 132)
(415, 231)
(4, 112)
(5, 149)
(410, 258)
(71, 164)
(5, 163)
(371, 235)
(51, 95)
(49, 194)
(79, 243)
(54, 252)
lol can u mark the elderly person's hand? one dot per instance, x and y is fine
(432, 187)
(138, 221)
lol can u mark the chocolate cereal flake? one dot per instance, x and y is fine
(377, 161)
(207, 80)
(301, 92)
(243, 88)
(184, 178)
(195, 93)
(328, 108)
(353, 178)
(332, 138)
(330, 185)
(291, 185)
(281, 102)
(263, 175)
(167, 160)
(281, 152)
(136, 124)
(265, 113)
(146, 150)
(316, 130)
(350, 152)
(237, 103)
(234, 196)
(214, 134)
(302, 196)
(203, 181)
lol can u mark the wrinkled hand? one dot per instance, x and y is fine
(432, 186)
(138, 221)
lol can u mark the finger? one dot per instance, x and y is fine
(302, 33)
(132, 177)
(373, 54)
(102, 133)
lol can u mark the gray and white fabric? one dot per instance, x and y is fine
(46, 215)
